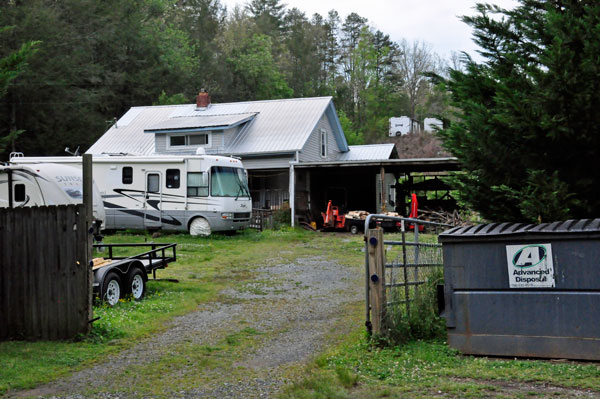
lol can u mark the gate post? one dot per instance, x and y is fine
(376, 259)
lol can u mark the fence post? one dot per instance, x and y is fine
(376, 257)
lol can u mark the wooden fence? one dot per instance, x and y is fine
(45, 279)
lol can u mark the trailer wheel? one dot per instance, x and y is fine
(354, 229)
(200, 227)
(136, 284)
(111, 289)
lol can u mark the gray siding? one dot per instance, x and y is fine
(311, 152)
(267, 163)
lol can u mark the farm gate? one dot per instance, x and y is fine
(45, 278)
(399, 266)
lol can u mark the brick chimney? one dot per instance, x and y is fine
(203, 99)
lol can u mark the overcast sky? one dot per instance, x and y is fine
(434, 21)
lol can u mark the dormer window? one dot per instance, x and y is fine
(189, 140)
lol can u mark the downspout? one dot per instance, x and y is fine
(293, 189)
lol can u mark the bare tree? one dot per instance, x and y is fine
(414, 60)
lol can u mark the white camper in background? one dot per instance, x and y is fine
(45, 184)
(195, 193)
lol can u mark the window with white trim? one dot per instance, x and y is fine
(323, 143)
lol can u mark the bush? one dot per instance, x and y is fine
(422, 322)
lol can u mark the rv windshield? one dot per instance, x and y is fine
(228, 182)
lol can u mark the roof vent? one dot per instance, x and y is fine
(200, 151)
(202, 100)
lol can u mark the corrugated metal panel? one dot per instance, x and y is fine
(483, 231)
(367, 152)
(281, 125)
(200, 121)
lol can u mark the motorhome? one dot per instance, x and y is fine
(195, 193)
(45, 184)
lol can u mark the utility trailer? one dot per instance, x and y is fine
(117, 277)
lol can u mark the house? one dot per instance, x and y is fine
(294, 150)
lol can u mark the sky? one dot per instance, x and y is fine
(435, 22)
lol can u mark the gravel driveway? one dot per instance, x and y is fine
(290, 312)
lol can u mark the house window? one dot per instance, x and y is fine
(189, 140)
(323, 143)
(173, 180)
(20, 192)
(176, 141)
(127, 177)
(197, 184)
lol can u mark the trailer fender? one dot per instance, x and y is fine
(121, 268)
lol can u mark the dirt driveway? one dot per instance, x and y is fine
(248, 345)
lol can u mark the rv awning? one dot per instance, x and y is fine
(199, 123)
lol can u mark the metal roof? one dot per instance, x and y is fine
(200, 122)
(371, 152)
(279, 125)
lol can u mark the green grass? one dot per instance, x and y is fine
(358, 369)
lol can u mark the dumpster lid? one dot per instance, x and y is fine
(568, 227)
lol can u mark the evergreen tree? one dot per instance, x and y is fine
(526, 133)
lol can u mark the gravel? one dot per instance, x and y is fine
(294, 306)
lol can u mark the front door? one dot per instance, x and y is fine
(153, 201)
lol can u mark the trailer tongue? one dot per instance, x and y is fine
(117, 277)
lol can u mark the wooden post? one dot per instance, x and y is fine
(87, 189)
(376, 257)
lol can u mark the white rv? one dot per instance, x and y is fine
(45, 184)
(195, 193)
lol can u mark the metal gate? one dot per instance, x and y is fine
(396, 267)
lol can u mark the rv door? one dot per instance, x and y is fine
(153, 201)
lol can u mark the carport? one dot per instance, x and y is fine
(372, 186)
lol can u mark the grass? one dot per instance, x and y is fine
(357, 369)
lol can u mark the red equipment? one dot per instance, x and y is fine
(332, 218)
(414, 208)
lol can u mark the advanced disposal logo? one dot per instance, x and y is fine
(530, 266)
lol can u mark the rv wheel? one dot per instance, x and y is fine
(200, 227)
(111, 289)
(136, 284)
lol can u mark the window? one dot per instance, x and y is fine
(229, 182)
(197, 184)
(189, 140)
(153, 183)
(198, 139)
(176, 141)
(127, 175)
(20, 192)
(173, 180)
(323, 143)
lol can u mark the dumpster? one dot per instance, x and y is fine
(523, 290)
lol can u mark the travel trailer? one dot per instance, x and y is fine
(45, 184)
(195, 193)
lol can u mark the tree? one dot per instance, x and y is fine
(526, 134)
(11, 66)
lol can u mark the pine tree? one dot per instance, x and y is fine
(526, 134)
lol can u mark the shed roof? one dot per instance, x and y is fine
(370, 152)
